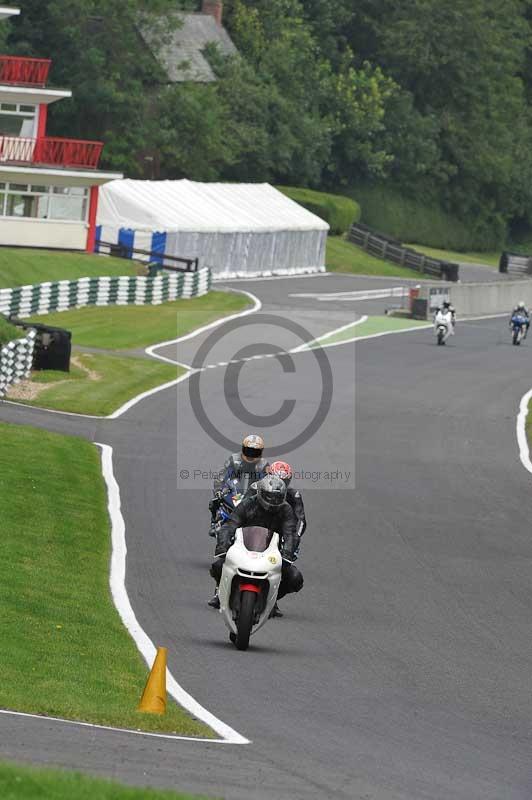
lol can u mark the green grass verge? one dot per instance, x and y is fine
(27, 783)
(343, 256)
(20, 267)
(116, 380)
(486, 259)
(421, 219)
(339, 211)
(9, 332)
(128, 327)
(65, 651)
(371, 326)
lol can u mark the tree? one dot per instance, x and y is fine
(97, 50)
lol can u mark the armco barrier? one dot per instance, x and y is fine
(16, 360)
(44, 298)
(381, 246)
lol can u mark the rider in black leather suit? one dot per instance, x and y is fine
(293, 496)
(267, 509)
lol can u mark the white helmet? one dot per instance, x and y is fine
(520, 304)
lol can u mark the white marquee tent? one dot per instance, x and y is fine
(238, 230)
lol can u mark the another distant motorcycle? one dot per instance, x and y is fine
(251, 577)
(518, 327)
(443, 326)
(232, 495)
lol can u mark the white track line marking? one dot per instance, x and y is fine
(362, 294)
(121, 600)
(307, 345)
(524, 451)
(295, 276)
(114, 730)
(139, 397)
(376, 336)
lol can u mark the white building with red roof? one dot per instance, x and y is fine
(48, 185)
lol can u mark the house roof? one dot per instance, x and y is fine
(182, 57)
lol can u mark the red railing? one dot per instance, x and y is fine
(50, 151)
(24, 71)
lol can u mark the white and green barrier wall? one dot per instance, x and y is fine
(44, 298)
(16, 359)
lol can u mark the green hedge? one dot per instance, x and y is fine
(423, 221)
(340, 212)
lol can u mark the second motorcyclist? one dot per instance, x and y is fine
(247, 467)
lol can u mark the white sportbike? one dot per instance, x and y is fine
(443, 326)
(250, 580)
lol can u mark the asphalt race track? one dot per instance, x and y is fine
(403, 670)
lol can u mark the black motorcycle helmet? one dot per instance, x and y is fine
(271, 492)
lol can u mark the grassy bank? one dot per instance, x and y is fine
(96, 384)
(488, 259)
(65, 651)
(25, 783)
(131, 327)
(20, 267)
(421, 219)
(342, 256)
(8, 332)
(100, 383)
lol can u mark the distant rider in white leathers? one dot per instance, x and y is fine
(445, 315)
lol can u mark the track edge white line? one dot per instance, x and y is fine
(127, 615)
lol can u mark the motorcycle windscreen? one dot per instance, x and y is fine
(256, 539)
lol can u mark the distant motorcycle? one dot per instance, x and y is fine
(232, 496)
(518, 327)
(443, 326)
(251, 576)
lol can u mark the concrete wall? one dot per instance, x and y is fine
(43, 233)
(471, 299)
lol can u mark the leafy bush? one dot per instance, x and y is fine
(423, 221)
(339, 211)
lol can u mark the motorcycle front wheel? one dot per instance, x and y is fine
(515, 338)
(244, 622)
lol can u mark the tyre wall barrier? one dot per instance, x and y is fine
(382, 246)
(44, 298)
(16, 359)
(515, 264)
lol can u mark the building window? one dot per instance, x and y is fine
(68, 203)
(17, 119)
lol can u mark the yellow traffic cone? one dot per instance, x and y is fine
(153, 700)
